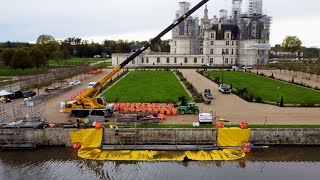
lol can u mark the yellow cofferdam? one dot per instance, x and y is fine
(90, 140)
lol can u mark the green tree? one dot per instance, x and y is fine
(48, 48)
(21, 59)
(156, 46)
(6, 56)
(291, 44)
(66, 54)
(38, 57)
(57, 55)
(44, 39)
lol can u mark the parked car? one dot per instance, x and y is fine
(16, 95)
(224, 88)
(247, 67)
(74, 83)
(27, 94)
(207, 94)
(91, 84)
(235, 67)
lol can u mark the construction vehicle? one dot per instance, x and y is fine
(89, 103)
(190, 108)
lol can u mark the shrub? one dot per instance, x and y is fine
(258, 99)
(308, 105)
(217, 80)
(281, 102)
(261, 74)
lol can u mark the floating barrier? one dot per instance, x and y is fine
(230, 141)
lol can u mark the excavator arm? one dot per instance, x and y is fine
(91, 102)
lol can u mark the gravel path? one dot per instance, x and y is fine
(311, 80)
(53, 114)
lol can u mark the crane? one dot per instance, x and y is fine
(90, 103)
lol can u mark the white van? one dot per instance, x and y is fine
(91, 84)
(205, 118)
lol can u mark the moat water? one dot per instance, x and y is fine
(62, 163)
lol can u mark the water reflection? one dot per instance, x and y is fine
(62, 163)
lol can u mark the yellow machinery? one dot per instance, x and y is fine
(89, 104)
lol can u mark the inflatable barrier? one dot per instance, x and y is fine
(90, 142)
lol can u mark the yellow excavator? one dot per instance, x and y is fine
(89, 103)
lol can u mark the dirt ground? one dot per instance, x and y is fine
(230, 106)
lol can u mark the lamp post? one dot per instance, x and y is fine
(222, 66)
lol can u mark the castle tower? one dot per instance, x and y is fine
(236, 8)
(206, 31)
(255, 6)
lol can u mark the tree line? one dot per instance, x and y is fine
(293, 45)
(26, 55)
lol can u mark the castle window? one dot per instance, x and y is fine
(232, 43)
(211, 60)
(226, 61)
(231, 60)
(158, 60)
(232, 51)
(195, 60)
(222, 51)
(175, 43)
(168, 60)
(202, 60)
(201, 51)
(227, 51)
(142, 60)
(211, 51)
(212, 43)
(227, 43)
(185, 60)
(237, 51)
(175, 60)
(147, 60)
(212, 35)
(228, 35)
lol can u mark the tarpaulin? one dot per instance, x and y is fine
(90, 140)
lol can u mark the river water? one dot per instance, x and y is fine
(62, 163)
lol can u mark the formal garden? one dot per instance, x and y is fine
(253, 87)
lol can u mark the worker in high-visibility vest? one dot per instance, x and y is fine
(115, 127)
(86, 122)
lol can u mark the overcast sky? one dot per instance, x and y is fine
(25, 20)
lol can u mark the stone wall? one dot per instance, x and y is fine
(285, 136)
(61, 137)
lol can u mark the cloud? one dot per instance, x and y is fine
(126, 19)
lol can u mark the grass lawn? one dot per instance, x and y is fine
(75, 61)
(268, 89)
(146, 86)
(4, 81)
(7, 71)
